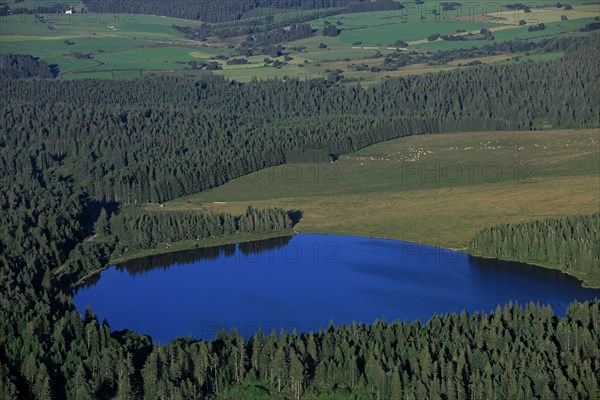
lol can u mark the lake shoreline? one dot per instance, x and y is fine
(185, 246)
(304, 281)
(244, 238)
(588, 284)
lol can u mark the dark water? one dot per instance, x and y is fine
(305, 281)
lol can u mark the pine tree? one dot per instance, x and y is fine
(102, 226)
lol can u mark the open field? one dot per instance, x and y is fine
(433, 189)
(504, 33)
(111, 41)
(120, 45)
(415, 23)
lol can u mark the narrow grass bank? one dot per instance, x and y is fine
(187, 245)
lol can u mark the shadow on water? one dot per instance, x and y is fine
(257, 247)
(530, 278)
(510, 268)
(165, 261)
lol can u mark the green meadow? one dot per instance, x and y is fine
(121, 45)
(117, 40)
(433, 189)
(384, 35)
(553, 29)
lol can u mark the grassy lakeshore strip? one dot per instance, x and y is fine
(188, 245)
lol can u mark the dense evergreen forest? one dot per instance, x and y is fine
(117, 236)
(148, 229)
(21, 7)
(571, 244)
(18, 66)
(216, 11)
(67, 146)
(153, 140)
(511, 353)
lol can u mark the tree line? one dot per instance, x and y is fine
(20, 7)
(116, 236)
(571, 244)
(263, 31)
(151, 228)
(265, 26)
(218, 12)
(19, 66)
(399, 59)
(513, 352)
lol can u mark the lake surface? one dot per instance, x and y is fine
(305, 281)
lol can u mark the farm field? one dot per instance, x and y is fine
(505, 33)
(415, 23)
(128, 46)
(433, 189)
(114, 42)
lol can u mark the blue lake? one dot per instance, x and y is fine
(305, 281)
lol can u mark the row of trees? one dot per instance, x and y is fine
(592, 26)
(571, 243)
(132, 229)
(151, 228)
(401, 59)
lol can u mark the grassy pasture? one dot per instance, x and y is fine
(126, 44)
(433, 189)
(85, 44)
(154, 58)
(415, 23)
(117, 40)
(112, 25)
(383, 35)
(504, 33)
(417, 69)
